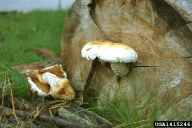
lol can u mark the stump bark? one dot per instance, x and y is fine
(161, 33)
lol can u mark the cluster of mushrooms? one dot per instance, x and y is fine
(52, 81)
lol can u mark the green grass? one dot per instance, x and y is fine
(19, 32)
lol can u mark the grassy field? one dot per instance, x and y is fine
(19, 32)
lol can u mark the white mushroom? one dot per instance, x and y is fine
(56, 78)
(116, 53)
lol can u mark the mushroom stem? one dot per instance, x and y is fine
(51, 79)
(120, 69)
(59, 86)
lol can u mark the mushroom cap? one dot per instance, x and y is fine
(55, 69)
(109, 52)
(37, 86)
(63, 90)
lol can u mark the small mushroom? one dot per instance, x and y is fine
(116, 54)
(56, 78)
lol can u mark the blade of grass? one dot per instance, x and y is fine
(13, 101)
(3, 89)
(18, 103)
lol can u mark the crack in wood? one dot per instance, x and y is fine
(123, 3)
(183, 57)
(91, 6)
(145, 66)
(189, 22)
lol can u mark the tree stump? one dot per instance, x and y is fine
(159, 31)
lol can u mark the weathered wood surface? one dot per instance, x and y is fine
(48, 119)
(46, 52)
(35, 66)
(160, 32)
(184, 7)
(66, 116)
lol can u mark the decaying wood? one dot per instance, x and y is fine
(11, 122)
(46, 52)
(157, 30)
(35, 66)
(183, 7)
(24, 104)
(89, 117)
(52, 120)
(72, 113)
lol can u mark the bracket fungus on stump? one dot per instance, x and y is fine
(116, 54)
(51, 81)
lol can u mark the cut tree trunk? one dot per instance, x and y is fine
(159, 31)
